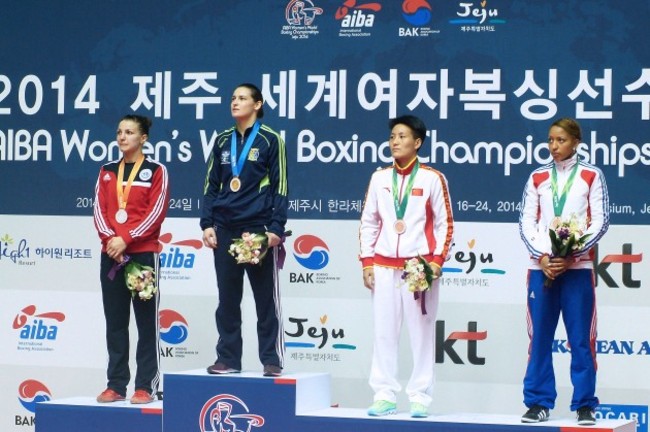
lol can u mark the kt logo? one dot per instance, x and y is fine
(627, 258)
(446, 346)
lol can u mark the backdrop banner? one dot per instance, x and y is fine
(488, 78)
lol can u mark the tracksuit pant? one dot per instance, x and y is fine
(572, 294)
(264, 282)
(117, 301)
(392, 304)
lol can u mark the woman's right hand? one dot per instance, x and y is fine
(210, 238)
(554, 267)
(369, 278)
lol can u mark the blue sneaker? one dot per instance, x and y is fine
(382, 408)
(418, 410)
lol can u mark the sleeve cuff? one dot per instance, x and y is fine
(367, 262)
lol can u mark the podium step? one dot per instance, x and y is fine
(86, 414)
(347, 419)
(301, 402)
(243, 401)
(196, 401)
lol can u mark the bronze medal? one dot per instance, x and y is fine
(399, 226)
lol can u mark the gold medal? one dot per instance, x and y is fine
(121, 216)
(399, 226)
(235, 184)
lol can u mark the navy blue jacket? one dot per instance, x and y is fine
(262, 199)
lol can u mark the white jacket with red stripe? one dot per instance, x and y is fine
(428, 218)
(587, 199)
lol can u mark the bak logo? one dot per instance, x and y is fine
(311, 252)
(31, 392)
(228, 413)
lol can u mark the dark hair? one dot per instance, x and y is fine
(256, 94)
(144, 123)
(414, 123)
(571, 127)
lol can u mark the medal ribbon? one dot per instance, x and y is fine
(559, 201)
(123, 192)
(400, 207)
(238, 165)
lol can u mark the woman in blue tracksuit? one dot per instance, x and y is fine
(566, 187)
(246, 191)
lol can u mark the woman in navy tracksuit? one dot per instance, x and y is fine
(565, 187)
(246, 191)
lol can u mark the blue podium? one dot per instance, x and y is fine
(85, 414)
(248, 402)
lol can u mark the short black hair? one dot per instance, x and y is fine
(412, 122)
(144, 123)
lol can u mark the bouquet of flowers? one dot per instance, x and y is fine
(567, 237)
(418, 274)
(250, 248)
(140, 279)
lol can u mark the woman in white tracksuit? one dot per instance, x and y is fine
(407, 213)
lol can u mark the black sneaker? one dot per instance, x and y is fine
(220, 368)
(586, 416)
(535, 414)
(272, 371)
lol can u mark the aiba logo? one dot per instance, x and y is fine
(226, 412)
(354, 17)
(176, 256)
(37, 326)
(31, 392)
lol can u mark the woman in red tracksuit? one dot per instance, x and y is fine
(131, 199)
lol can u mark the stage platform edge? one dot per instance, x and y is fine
(195, 400)
(86, 414)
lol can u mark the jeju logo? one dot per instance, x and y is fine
(311, 252)
(227, 413)
(173, 327)
(31, 392)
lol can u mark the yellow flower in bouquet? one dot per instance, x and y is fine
(567, 236)
(141, 280)
(418, 274)
(250, 248)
